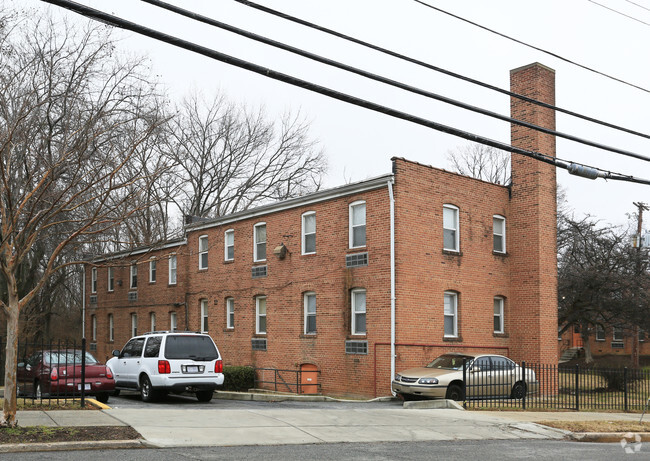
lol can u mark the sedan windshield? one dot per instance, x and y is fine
(68, 358)
(451, 362)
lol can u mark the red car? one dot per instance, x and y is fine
(58, 373)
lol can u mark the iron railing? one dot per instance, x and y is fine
(287, 380)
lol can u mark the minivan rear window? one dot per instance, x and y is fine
(190, 347)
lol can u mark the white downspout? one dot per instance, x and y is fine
(392, 280)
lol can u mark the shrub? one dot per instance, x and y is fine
(238, 379)
(615, 378)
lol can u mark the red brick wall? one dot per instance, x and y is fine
(534, 220)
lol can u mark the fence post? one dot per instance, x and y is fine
(577, 389)
(464, 381)
(625, 376)
(523, 378)
(83, 371)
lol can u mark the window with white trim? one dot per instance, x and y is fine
(499, 233)
(260, 315)
(230, 312)
(498, 314)
(152, 321)
(617, 335)
(111, 328)
(309, 233)
(93, 280)
(134, 325)
(133, 276)
(93, 323)
(600, 333)
(203, 252)
(358, 307)
(451, 314)
(173, 321)
(152, 270)
(310, 313)
(259, 249)
(204, 316)
(172, 269)
(111, 279)
(451, 240)
(229, 245)
(357, 225)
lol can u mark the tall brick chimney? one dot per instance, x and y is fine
(533, 221)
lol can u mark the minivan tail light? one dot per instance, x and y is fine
(54, 374)
(163, 367)
(218, 366)
(109, 373)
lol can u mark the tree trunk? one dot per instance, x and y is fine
(11, 363)
(585, 343)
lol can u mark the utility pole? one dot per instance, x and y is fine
(641, 207)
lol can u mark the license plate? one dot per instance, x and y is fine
(191, 369)
(86, 387)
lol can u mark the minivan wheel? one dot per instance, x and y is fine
(455, 392)
(204, 396)
(146, 390)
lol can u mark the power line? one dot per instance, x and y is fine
(378, 78)
(618, 12)
(637, 4)
(222, 57)
(435, 68)
(590, 69)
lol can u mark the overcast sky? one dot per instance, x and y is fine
(359, 143)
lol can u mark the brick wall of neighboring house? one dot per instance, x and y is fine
(605, 343)
(523, 277)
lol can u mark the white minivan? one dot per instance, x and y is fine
(160, 362)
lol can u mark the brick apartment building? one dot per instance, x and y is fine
(408, 265)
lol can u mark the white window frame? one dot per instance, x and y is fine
(499, 308)
(93, 280)
(110, 275)
(306, 298)
(455, 229)
(153, 267)
(306, 234)
(259, 300)
(173, 321)
(358, 310)
(617, 335)
(256, 256)
(228, 235)
(600, 333)
(230, 313)
(133, 276)
(173, 269)
(204, 316)
(495, 235)
(452, 312)
(351, 214)
(203, 252)
(111, 328)
(134, 325)
(152, 321)
(93, 323)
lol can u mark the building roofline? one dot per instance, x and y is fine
(316, 197)
(141, 250)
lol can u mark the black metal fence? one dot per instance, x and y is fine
(60, 378)
(292, 381)
(541, 387)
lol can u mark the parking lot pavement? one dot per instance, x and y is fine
(188, 427)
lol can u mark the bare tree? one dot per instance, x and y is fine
(227, 159)
(65, 103)
(481, 162)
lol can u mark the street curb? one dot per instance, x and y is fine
(433, 404)
(609, 437)
(68, 446)
(278, 397)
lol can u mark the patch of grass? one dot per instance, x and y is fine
(599, 426)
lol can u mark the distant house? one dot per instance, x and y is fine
(353, 283)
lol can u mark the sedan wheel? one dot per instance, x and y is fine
(518, 391)
(455, 392)
(103, 397)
